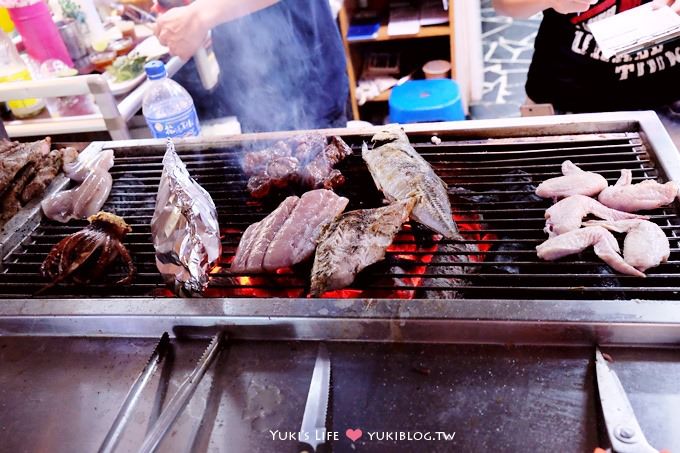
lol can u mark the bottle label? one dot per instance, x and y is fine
(184, 124)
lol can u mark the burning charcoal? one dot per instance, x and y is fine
(507, 257)
(450, 258)
(522, 182)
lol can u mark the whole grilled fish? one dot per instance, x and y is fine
(400, 172)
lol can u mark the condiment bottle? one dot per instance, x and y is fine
(13, 69)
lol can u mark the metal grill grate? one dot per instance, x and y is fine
(492, 194)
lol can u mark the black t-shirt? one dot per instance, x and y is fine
(568, 69)
(282, 68)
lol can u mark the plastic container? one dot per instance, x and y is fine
(103, 60)
(419, 101)
(39, 33)
(13, 69)
(167, 107)
(437, 69)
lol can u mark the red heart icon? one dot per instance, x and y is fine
(354, 434)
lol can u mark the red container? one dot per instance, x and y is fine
(39, 33)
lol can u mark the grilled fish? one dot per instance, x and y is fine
(353, 241)
(401, 173)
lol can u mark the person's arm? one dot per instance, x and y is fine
(183, 29)
(526, 8)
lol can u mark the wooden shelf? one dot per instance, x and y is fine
(429, 31)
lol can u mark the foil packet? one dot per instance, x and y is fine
(184, 228)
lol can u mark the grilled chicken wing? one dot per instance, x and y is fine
(353, 241)
(566, 215)
(645, 195)
(574, 182)
(645, 246)
(401, 173)
(603, 242)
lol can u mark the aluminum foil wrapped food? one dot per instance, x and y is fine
(184, 228)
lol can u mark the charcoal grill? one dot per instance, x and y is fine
(421, 292)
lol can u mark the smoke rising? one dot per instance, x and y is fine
(282, 68)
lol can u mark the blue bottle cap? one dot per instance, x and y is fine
(155, 70)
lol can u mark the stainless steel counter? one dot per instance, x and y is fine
(61, 395)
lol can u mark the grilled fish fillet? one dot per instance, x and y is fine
(645, 246)
(574, 182)
(401, 173)
(645, 195)
(353, 241)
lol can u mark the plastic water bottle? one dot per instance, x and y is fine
(167, 107)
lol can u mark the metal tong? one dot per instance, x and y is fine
(175, 405)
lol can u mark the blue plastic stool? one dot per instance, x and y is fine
(418, 101)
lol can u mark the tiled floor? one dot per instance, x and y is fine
(508, 46)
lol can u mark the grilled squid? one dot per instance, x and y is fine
(86, 255)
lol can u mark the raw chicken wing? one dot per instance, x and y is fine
(645, 195)
(574, 182)
(603, 242)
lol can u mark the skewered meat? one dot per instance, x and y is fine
(566, 215)
(353, 241)
(400, 173)
(645, 246)
(84, 256)
(574, 182)
(603, 242)
(84, 200)
(305, 161)
(645, 195)
(289, 234)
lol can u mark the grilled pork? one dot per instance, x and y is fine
(353, 241)
(304, 161)
(645, 195)
(603, 242)
(289, 234)
(566, 215)
(574, 182)
(400, 173)
(645, 246)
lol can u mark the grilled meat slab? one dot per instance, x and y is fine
(572, 242)
(645, 195)
(400, 173)
(289, 234)
(566, 215)
(26, 169)
(353, 241)
(645, 246)
(574, 182)
(304, 161)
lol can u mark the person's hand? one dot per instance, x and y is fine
(571, 6)
(674, 4)
(181, 30)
